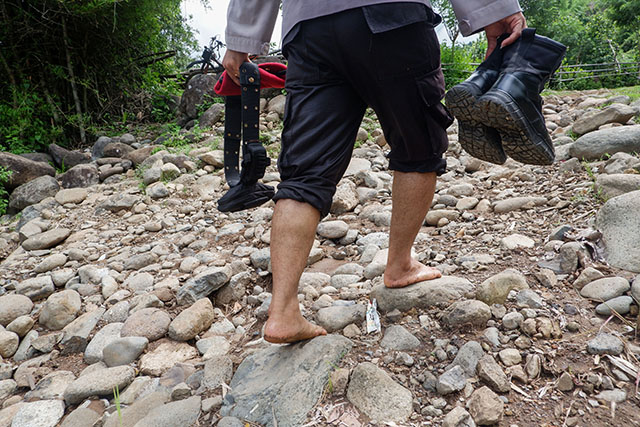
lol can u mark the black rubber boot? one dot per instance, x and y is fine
(513, 105)
(476, 138)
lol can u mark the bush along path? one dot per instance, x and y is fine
(120, 274)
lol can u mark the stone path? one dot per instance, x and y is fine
(122, 273)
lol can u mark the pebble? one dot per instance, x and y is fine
(451, 381)
(621, 305)
(123, 351)
(510, 356)
(485, 406)
(378, 396)
(605, 343)
(471, 312)
(192, 321)
(151, 323)
(60, 309)
(605, 289)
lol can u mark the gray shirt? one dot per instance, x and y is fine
(250, 22)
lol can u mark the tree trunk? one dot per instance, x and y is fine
(72, 80)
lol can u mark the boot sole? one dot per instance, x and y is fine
(477, 139)
(520, 140)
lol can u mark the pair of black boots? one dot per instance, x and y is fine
(499, 108)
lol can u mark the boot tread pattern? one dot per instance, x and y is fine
(519, 140)
(477, 139)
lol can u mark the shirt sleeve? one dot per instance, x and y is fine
(250, 25)
(474, 15)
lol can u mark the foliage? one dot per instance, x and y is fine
(459, 62)
(23, 122)
(67, 65)
(449, 20)
(4, 195)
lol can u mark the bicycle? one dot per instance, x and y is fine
(210, 62)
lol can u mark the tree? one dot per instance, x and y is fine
(69, 63)
(449, 20)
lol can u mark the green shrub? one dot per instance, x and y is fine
(25, 121)
(4, 195)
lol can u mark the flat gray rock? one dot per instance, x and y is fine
(138, 410)
(432, 293)
(203, 284)
(46, 240)
(605, 344)
(123, 351)
(180, 413)
(285, 381)
(42, 413)
(594, 145)
(605, 289)
(102, 338)
(452, 380)
(378, 396)
(472, 312)
(336, 318)
(51, 386)
(468, 357)
(619, 223)
(76, 333)
(396, 337)
(617, 184)
(99, 383)
(621, 305)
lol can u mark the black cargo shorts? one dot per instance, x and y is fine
(337, 66)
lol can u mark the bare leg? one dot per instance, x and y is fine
(292, 233)
(412, 194)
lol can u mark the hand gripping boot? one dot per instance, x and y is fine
(513, 105)
(476, 138)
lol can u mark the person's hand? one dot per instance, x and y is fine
(232, 61)
(513, 24)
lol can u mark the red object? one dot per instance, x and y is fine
(272, 75)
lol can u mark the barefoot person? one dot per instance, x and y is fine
(342, 57)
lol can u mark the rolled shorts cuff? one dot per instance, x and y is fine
(437, 165)
(318, 196)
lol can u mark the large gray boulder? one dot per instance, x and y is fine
(619, 222)
(23, 170)
(32, 192)
(66, 158)
(214, 114)
(84, 175)
(199, 89)
(283, 382)
(594, 145)
(615, 113)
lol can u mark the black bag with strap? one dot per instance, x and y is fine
(241, 128)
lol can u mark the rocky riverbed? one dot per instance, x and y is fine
(120, 276)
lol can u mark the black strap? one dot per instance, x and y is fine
(232, 133)
(242, 117)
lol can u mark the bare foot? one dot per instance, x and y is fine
(282, 330)
(417, 272)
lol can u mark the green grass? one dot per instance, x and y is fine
(116, 400)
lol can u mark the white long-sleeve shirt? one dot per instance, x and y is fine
(250, 22)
